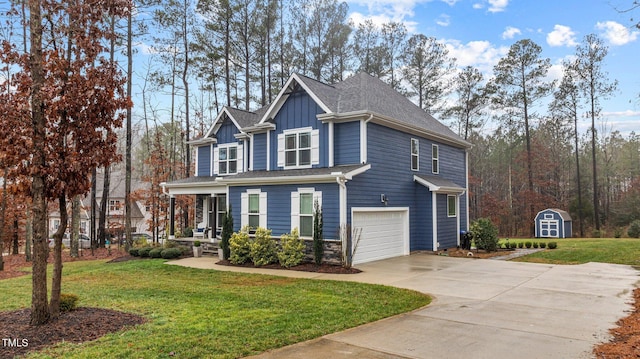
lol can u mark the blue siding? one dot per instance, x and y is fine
(564, 227)
(204, 161)
(260, 151)
(279, 207)
(299, 111)
(447, 229)
(346, 143)
(226, 131)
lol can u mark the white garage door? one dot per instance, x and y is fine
(385, 233)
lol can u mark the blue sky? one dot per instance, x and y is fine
(479, 32)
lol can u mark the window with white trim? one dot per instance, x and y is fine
(303, 208)
(114, 205)
(451, 206)
(227, 159)
(221, 209)
(298, 148)
(435, 162)
(415, 154)
(254, 208)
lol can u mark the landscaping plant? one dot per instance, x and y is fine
(240, 246)
(634, 229)
(263, 248)
(318, 240)
(292, 248)
(227, 231)
(485, 234)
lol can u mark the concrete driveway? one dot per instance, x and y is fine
(481, 309)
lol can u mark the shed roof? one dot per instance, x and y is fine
(563, 214)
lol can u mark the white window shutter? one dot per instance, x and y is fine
(315, 147)
(263, 209)
(216, 157)
(240, 158)
(295, 210)
(281, 150)
(244, 209)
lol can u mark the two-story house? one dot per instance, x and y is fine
(372, 159)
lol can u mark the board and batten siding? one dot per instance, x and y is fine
(299, 111)
(346, 143)
(226, 132)
(279, 206)
(204, 160)
(260, 151)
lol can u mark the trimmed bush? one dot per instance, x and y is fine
(171, 253)
(634, 229)
(185, 250)
(144, 251)
(543, 244)
(68, 302)
(513, 245)
(134, 252)
(240, 246)
(263, 248)
(318, 238)
(170, 244)
(535, 245)
(485, 234)
(188, 232)
(292, 248)
(552, 245)
(520, 244)
(155, 253)
(227, 231)
(528, 244)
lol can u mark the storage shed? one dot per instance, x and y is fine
(553, 223)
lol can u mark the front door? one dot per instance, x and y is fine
(549, 228)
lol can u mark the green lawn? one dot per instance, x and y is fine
(205, 313)
(577, 251)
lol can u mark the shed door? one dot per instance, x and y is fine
(384, 233)
(549, 228)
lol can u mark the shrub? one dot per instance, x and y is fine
(543, 244)
(68, 302)
(485, 234)
(634, 229)
(528, 244)
(155, 253)
(513, 245)
(170, 244)
(552, 245)
(292, 248)
(134, 252)
(197, 243)
(171, 253)
(535, 245)
(263, 248)
(318, 239)
(227, 231)
(617, 233)
(140, 242)
(520, 244)
(596, 233)
(240, 246)
(144, 251)
(188, 232)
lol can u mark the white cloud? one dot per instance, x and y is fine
(450, 2)
(478, 5)
(443, 20)
(358, 18)
(510, 32)
(627, 113)
(561, 36)
(480, 54)
(616, 33)
(498, 5)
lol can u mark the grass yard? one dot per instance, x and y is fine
(210, 314)
(577, 251)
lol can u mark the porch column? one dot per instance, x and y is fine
(172, 217)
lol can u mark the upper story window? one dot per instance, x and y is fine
(227, 159)
(415, 154)
(298, 148)
(435, 162)
(114, 205)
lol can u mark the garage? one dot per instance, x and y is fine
(385, 233)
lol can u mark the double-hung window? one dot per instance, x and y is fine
(254, 208)
(452, 206)
(303, 209)
(415, 154)
(221, 209)
(227, 159)
(298, 148)
(435, 161)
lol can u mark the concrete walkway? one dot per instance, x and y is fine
(481, 309)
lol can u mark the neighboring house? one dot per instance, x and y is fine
(115, 208)
(553, 223)
(372, 159)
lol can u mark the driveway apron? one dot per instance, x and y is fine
(480, 309)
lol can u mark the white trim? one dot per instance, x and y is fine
(251, 151)
(363, 141)
(406, 225)
(466, 186)
(279, 179)
(281, 98)
(216, 126)
(439, 189)
(455, 205)
(268, 165)
(295, 205)
(214, 158)
(262, 207)
(434, 219)
(417, 155)
(197, 163)
(239, 158)
(314, 147)
(331, 144)
(435, 158)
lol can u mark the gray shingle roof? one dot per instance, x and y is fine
(245, 118)
(297, 173)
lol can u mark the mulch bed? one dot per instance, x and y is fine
(77, 326)
(304, 267)
(626, 337)
(455, 252)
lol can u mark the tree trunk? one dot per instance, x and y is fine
(56, 280)
(2, 217)
(92, 221)
(29, 234)
(102, 226)
(578, 179)
(75, 225)
(16, 244)
(127, 186)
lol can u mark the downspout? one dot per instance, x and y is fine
(341, 180)
(364, 139)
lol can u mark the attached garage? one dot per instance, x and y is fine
(385, 232)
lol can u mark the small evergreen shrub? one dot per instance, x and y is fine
(188, 232)
(520, 244)
(543, 244)
(535, 245)
(170, 244)
(634, 229)
(155, 253)
(552, 245)
(513, 245)
(197, 243)
(485, 234)
(144, 251)
(240, 246)
(263, 248)
(171, 253)
(68, 302)
(617, 233)
(292, 248)
(134, 252)
(318, 238)
(227, 231)
(528, 244)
